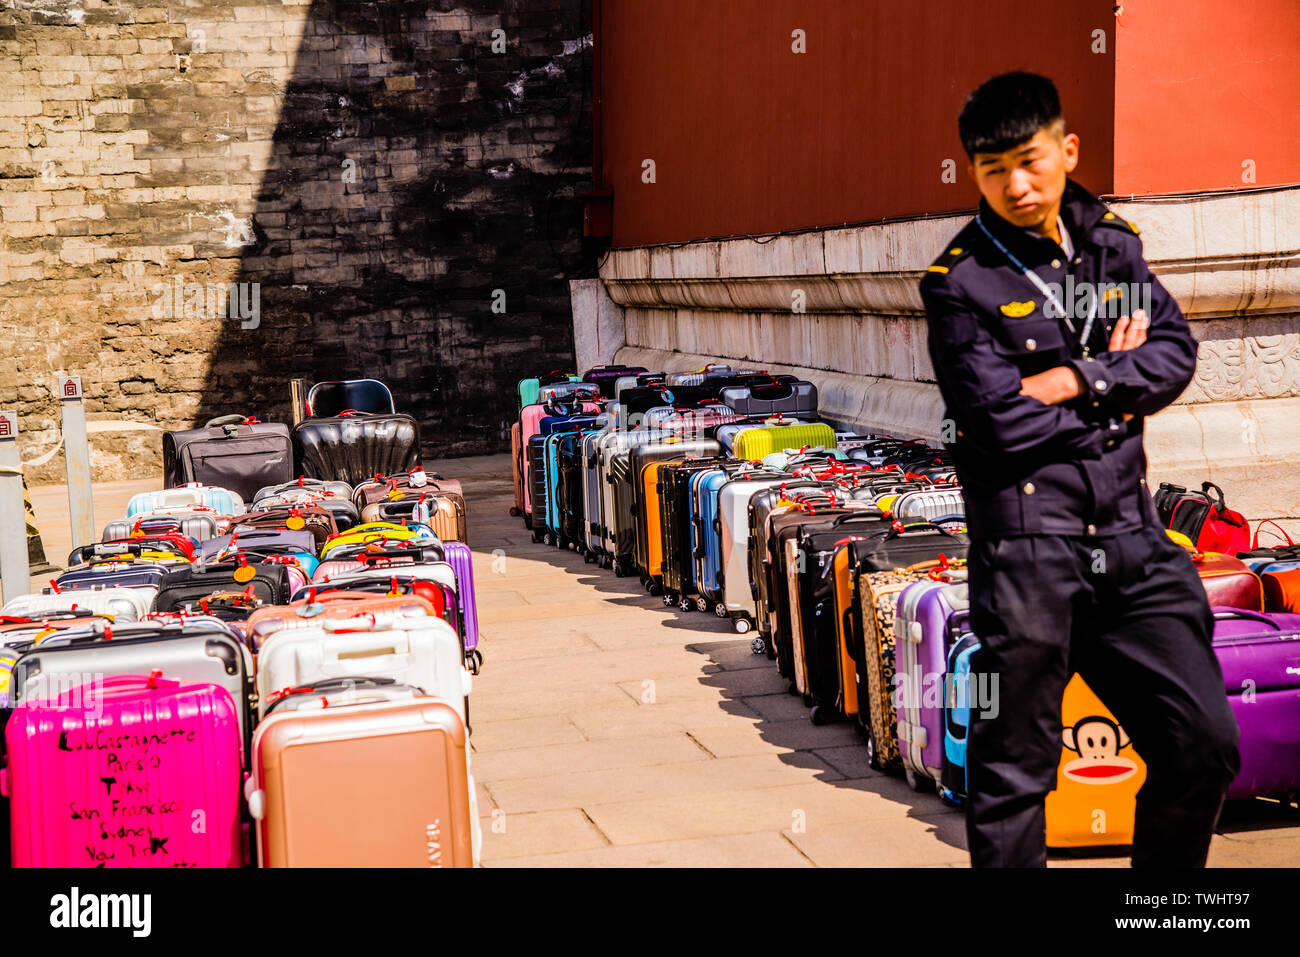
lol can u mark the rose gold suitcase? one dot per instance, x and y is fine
(446, 512)
(364, 785)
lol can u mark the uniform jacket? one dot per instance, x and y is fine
(1026, 467)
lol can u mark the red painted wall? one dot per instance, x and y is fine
(749, 137)
(1202, 86)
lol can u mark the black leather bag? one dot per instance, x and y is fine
(354, 447)
(232, 452)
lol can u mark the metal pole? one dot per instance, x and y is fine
(76, 451)
(15, 573)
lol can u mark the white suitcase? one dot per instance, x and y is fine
(124, 604)
(223, 500)
(733, 531)
(426, 654)
(929, 504)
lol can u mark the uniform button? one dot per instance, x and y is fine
(1077, 260)
(1100, 385)
(1110, 443)
(1056, 264)
(1031, 344)
(1096, 405)
(961, 434)
(1092, 529)
(1142, 482)
(1029, 488)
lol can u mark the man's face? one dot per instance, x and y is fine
(1024, 185)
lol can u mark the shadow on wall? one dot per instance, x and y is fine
(416, 178)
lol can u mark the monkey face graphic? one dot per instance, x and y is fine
(1097, 741)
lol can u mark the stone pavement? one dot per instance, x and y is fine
(610, 731)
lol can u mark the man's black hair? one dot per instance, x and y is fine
(1006, 111)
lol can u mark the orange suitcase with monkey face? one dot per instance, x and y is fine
(1098, 777)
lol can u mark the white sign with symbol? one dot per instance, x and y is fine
(69, 387)
(8, 425)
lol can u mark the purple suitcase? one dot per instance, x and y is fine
(1260, 657)
(461, 559)
(921, 646)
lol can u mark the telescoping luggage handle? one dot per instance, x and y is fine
(1225, 613)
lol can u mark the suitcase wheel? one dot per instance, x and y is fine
(619, 570)
(515, 511)
(793, 689)
(686, 604)
(720, 610)
(670, 599)
(550, 539)
(538, 535)
(528, 521)
(702, 603)
(474, 661)
(588, 556)
(758, 646)
(656, 589)
(918, 782)
(742, 625)
(873, 761)
(819, 716)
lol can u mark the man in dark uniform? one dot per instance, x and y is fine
(1046, 393)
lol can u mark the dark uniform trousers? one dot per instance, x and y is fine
(1129, 614)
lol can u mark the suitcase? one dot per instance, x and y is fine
(328, 399)
(756, 443)
(122, 604)
(312, 519)
(921, 659)
(192, 653)
(198, 524)
(313, 488)
(444, 512)
(706, 544)
(409, 758)
(380, 533)
(170, 546)
(571, 491)
(300, 545)
(606, 377)
(642, 540)
(461, 560)
(380, 488)
(185, 585)
(1098, 778)
(527, 388)
(232, 452)
(353, 447)
(637, 381)
(342, 510)
(333, 605)
(517, 469)
(674, 492)
(438, 588)
(1282, 590)
(763, 399)
(128, 573)
(734, 499)
(592, 520)
(1260, 657)
(122, 783)
(928, 504)
(884, 564)
(1228, 581)
(567, 391)
(223, 501)
(693, 422)
(612, 445)
(533, 459)
(424, 652)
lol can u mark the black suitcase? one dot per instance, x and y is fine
(232, 452)
(356, 446)
(634, 541)
(186, 585)
(767, 396)
(675, 511)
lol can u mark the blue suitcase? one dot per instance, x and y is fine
(957, 699)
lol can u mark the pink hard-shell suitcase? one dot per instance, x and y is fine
(127, 771)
